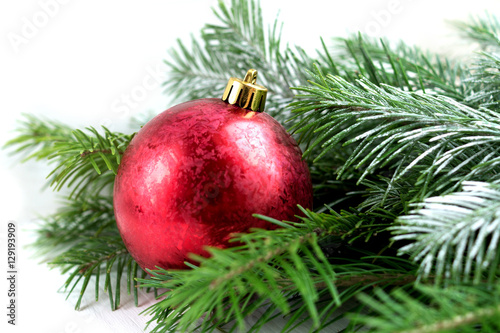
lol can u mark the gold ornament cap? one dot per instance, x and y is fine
(245, 93)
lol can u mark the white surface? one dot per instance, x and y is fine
(79, 62)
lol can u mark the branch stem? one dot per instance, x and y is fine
(458, 321)
(258, 260)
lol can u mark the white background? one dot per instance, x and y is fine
(77, 61)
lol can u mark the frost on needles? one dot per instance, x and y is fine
(403, 147)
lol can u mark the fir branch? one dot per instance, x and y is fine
(37, 136)
(197, 69)
(83, 232)
(459, 308)
(239, 42)
(82, 239)
(91, 255)
(236, 277)
(407, 68)
(482, 29)
(85, 216)
(485, 80)
(242, 34)
(258, 260)
(83, 158)
(283, 269)
(86, 158)
(455, 236)
(400, 132)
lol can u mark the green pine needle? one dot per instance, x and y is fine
(455, 237)
(454, 309)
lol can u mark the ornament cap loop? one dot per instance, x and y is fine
(246, 93)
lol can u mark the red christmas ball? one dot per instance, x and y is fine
(195, 174)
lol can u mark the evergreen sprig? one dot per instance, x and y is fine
(82, 157)
(92, 255)
(85, 216)
(239, 42)
(81, 237)
(407, 68)
(283, 270)
(437, 310)
(484, 30)
(455, 237)
(437, 138)
(486, 78)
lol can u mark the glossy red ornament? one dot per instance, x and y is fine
(195, 174)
